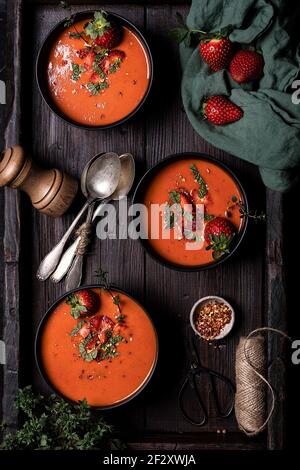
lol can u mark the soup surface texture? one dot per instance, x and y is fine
(108, 381)
(78, 91)
(177, 178)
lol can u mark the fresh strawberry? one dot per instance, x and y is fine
(89, 60)
(82, 53)
(92, 344)
(188, 209)
(111, 62)
(218, 233)
(219, 110)
(105, 33)
(106, 327)
(83, 302)
(103, 337)
(94, 78)
(84, 331)
(216, 52)
(95, 322)
(185, 200)
(107, 323)
(247, 66)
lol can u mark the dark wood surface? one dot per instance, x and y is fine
(252, 280)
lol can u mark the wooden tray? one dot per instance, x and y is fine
(253, 281)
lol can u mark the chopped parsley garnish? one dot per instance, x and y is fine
(101, 54)
(115, 66)
(75, 35)
(95, 88)
(87, 356)
(169, 217)
(198, 178)
(174, 196)
(77, 71)
(77, 327)
(98, 70)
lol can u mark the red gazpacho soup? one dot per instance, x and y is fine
(97, 77)
(98, 345)
(190, 183)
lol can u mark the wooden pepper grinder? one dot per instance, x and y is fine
(51, 191)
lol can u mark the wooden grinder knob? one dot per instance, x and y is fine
(51, 191)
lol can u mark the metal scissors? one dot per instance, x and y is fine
(190, 382)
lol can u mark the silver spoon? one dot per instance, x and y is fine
(102, 178)
(123, 188)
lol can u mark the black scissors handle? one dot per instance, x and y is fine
(190, 381)
(231, 390)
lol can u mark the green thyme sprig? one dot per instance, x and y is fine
(51, 423)
(198, 178)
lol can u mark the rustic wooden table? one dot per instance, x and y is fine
(253, 281)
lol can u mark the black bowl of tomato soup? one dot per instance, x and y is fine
(188, 173)
(70, 77)
(106, 358)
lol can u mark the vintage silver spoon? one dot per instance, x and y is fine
(102, 178)
(123, 188)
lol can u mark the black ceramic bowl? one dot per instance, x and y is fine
(138, 198)
(43, 57)
(37, 347)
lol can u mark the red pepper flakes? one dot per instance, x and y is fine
(211, 318)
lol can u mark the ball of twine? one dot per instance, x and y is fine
(251, 383)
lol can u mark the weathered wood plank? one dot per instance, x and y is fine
(12, 235)
(276, 313)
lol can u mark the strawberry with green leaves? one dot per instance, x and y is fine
(218, 234)
(103, 32)
(83, 302)
(216, 51)
(215, 48)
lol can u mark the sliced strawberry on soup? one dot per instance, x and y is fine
(188, 210)
(84, 331)
(111, 62)
(107, 323)
(94, 78)
(83, 53)
(185, 200)
(95, 322)
(92, 344)
(103, 336)
(89, 60)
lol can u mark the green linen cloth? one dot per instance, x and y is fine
(269, 133)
